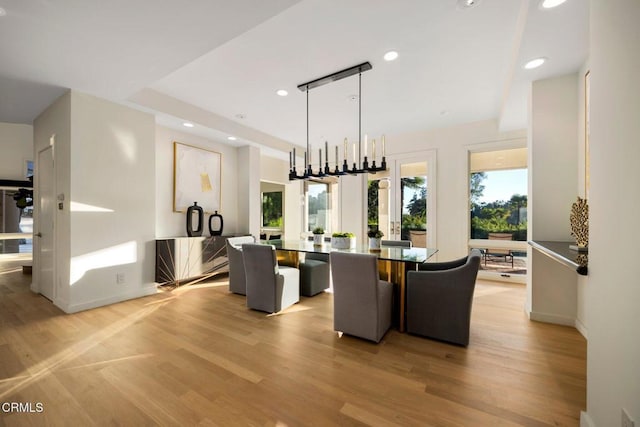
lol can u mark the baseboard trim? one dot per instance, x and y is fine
(585, 420)
(552, 318)
(582, 329)
(138, 293)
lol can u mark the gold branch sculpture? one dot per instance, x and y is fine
(580, 223)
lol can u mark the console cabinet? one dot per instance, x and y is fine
(182, 259)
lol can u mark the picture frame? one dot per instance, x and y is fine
(197, 174)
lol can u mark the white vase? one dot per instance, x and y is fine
(343, 242)
(318, 239)
(374, 243)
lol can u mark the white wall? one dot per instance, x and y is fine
(352, 205)
(294, 208)
(16, 143)
(613, 373)
(172, 224)
(112, 167)
(583, 281)
(248, 170)
(102, 161)
(452, 179)
(553, 176)
(554, 162)
(452, 182)
(274, 170)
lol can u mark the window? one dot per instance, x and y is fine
(16, 216)
(498, 209)
(272, 209)
(319, 206)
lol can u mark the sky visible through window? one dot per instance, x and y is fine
(501, 185)
(315, 190)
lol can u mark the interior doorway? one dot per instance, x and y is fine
(45, 224)
(498, 187)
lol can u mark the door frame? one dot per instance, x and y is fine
(507, 144)
(37, 271)
(393, 163)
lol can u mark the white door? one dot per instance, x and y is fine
(45, 231)
(405, 199)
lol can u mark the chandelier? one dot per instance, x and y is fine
(359, 160)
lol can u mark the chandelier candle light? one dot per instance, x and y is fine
(358, 165)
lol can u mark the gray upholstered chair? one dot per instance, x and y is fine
(361, 301)
(314, 274)
(398, 243)
(439, 299)
(270, 287)
(237, 279)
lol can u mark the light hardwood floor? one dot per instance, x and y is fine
(196, 355)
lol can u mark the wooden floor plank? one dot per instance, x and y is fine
(198, 356)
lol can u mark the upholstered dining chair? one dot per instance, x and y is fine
(237, 279)
(397, 243)
(440, 297)
(361, 301)
(314, 274)
(270, 287)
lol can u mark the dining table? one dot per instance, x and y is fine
(393, 264)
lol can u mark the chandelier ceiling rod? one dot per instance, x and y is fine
(360, 121)
(334, 77)
(308, 146)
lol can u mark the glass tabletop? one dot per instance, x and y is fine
(391, 253)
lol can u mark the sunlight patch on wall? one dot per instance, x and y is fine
(127, 143)
(126, 253)
(81, 207)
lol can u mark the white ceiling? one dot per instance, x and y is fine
(210, 61)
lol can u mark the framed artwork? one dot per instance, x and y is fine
(196, 178)
(587, 111)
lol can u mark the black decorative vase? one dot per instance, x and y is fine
(218, 230)
(190, 211)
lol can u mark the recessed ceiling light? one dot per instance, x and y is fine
(2, 12)
(466, 4)
(392, 55)
(548, 4)
(231, 138)
(187, 124)
(282, 92)
(534, 63)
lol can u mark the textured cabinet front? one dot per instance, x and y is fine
(184, 258)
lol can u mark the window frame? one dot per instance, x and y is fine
(520, 246)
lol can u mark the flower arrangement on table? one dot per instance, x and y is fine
(318, 236)
(375, 234)
(375, 237)
(343, 240)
